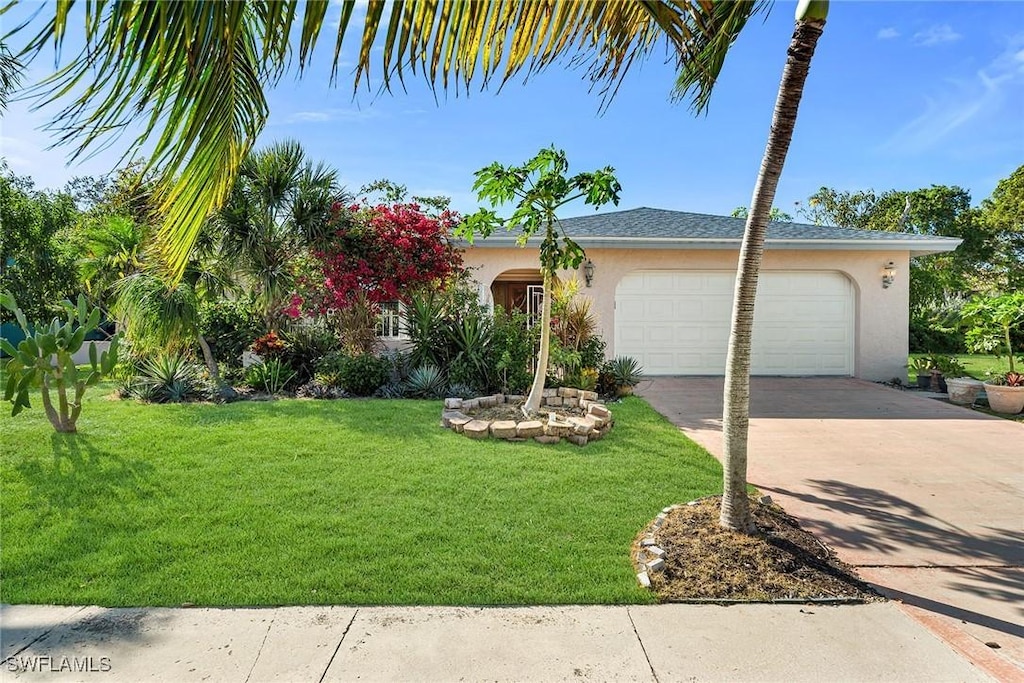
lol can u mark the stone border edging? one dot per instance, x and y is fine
(593, 425)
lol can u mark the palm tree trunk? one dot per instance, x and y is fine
(532, 404)
(211, 362)
(735, 511)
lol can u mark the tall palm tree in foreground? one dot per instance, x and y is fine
(201, 69)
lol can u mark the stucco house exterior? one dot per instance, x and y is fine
(831, 301)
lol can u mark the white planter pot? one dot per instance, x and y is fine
(1003, 399)
(963, 390)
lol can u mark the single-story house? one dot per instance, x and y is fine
(831, 301)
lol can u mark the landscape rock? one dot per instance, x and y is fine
(503, 429)
(555, 401)
(598, 411)
(577, 439)
(657, 565)
(588, 395)
(644, 579)
(477, 429)
(453, 403)
(550, 440)
(530, 428)
(656, 551)
(458, 423)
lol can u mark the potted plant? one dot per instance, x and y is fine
(922, 367)
(1006, 392)
(944, 367)
(625, 374)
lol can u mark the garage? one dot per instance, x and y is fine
(676, 322)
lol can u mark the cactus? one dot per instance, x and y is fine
(44, 359)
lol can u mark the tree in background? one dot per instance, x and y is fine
(776, 214)
(538, 189)
(282, 205)
(1002, 216)
(38, 251)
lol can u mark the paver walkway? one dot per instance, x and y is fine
(657, 643)
(926, 498)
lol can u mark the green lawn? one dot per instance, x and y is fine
(977, 365)
(327, 502)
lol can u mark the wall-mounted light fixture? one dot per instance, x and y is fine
(588, 272)
(888, 274)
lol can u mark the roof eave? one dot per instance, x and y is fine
(915, 247)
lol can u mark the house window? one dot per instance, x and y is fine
(389, 324)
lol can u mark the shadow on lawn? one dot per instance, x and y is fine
(79, 473)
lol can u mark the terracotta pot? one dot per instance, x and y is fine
(1004, 399)
(963, 390)
(623, 390)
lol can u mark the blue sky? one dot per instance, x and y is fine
(900, 95)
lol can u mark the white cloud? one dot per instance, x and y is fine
(937, 34)
(888, 33)
(330, 115)
(982, 95)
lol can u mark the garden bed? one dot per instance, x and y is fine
(575, 415)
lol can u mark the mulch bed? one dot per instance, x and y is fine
(780, 562)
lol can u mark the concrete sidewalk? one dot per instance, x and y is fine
(645, 643)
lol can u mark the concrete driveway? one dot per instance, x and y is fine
(925, 498)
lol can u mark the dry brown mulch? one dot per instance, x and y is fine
(780, 562)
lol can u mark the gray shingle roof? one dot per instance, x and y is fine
(652, 228)
(662, 223)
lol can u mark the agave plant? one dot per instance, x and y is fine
(167, 378)
(426, 381)
(626, 373)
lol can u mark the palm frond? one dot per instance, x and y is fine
(198, 71)
(10, 75)
(712, 29)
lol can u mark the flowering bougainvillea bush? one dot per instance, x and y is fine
(382, 252)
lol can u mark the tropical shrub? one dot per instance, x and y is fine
(304, 347)
(362, 375)
(229, 327)
(271, 376)
(513, 350)
(44, 359)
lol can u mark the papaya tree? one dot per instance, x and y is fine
(538, 188)
(45, 359)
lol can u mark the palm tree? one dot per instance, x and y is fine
(201, 70)
(281, 204)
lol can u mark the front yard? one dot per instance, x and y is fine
(327, 502)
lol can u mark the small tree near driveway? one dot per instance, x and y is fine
(539, 188)
(991, 321)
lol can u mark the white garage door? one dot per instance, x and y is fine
(677, 322)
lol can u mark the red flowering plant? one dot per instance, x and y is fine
(383, 252)
(268, 346)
